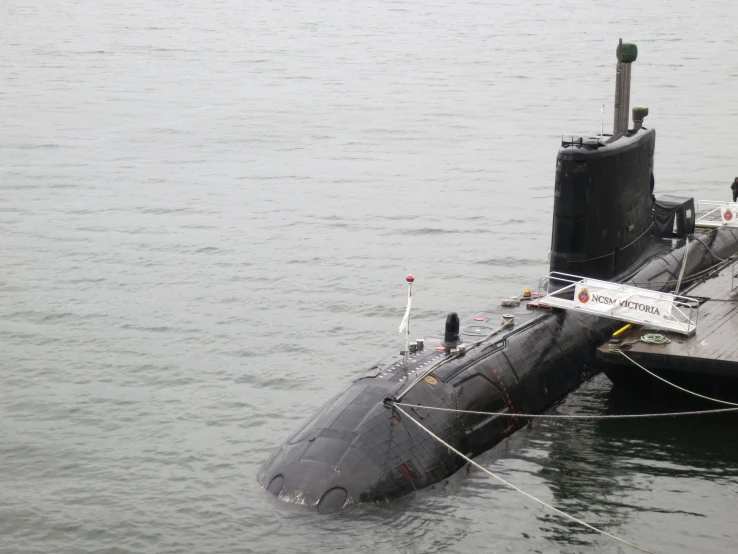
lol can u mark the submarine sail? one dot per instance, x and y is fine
(359, 448)
(603, 193)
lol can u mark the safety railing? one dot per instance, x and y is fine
(660, 310)
(711, 213)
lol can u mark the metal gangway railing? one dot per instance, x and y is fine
(661, 310)
(711, 213)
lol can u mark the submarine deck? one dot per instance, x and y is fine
(712, 350)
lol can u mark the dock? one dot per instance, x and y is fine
(706, 360)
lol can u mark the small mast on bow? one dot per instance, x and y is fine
(405, 325)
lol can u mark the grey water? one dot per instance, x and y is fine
(207, 211)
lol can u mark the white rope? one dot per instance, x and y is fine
(521, 491)
(677, 386)
(562, 416)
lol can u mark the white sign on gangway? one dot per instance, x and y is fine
(716, 214)
(627, 303)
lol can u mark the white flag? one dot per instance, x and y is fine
(405, 319)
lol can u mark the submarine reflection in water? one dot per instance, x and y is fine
(358, 448)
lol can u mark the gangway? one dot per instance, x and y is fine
(711, 213)
(660, 310)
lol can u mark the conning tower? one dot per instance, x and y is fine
(603, 192)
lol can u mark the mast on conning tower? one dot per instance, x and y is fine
(626, 54)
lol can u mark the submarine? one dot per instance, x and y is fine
(509, 358)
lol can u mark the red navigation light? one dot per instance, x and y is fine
(409, 278)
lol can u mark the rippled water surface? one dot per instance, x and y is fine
(207, 210)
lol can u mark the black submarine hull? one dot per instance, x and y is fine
(359, 448)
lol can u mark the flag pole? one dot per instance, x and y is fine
(405, 325)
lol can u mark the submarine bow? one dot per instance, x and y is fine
(358, 448)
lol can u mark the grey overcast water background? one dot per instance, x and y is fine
(207, 213)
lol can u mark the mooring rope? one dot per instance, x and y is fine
(676, 386)
(564, 416)
(693, 277)
(648, 338)
(655, 338)
(521, 491)
(710, 251)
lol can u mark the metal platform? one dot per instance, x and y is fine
(711, 350)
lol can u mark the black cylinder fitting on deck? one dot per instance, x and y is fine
(451, 336)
